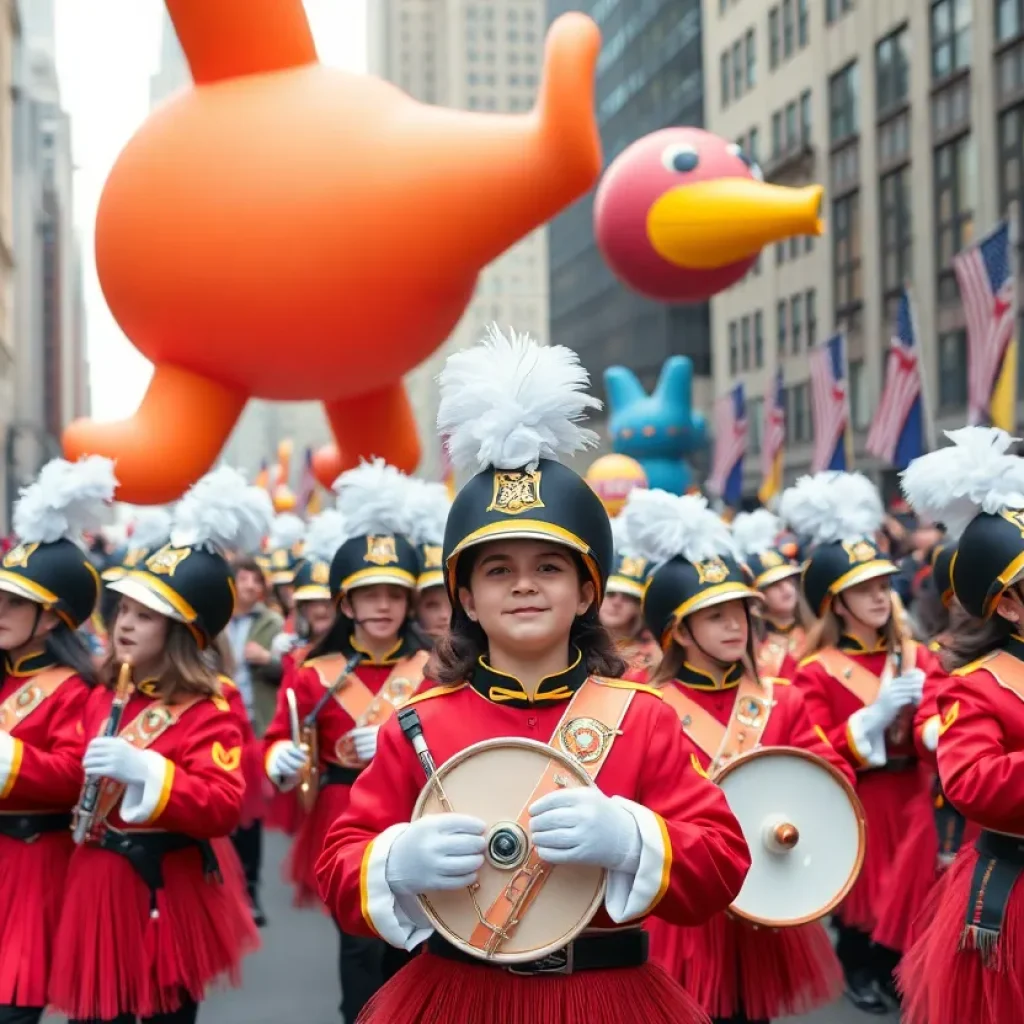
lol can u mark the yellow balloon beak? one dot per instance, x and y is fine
(711, 224)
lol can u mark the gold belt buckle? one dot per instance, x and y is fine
(559, 962)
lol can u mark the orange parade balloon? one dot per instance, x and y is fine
(289, 231)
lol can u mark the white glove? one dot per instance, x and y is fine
(583, 826)
(364, 739)
(893, 695)
(282, 644)
(115, 758)
(440, 851)
(286, 763)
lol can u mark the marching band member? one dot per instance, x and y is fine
(372, 579)
(621, 612)
(968, 964)
(861, 681)
(699, 601)
(526, 549)
(779, 623)
(48, 587)
(284, 555)
(428, 506)
(155, 907)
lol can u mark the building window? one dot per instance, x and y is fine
(1009, 23)
(1010, 161)
(734, 349)
(835, 9)
(758, 340)
(951, 37)
(726, 77)
(805, 117)
(796, 322)
(780, 253)
(953, 370)
(754, 145)
(802, 24)
(773, 38)
(737, 70)
(955, 198)
(745, 343)
(811, 309)
(751, 54)
(846, 258)
(780, 324)
(802, 412)
(896, 231)
(843, 92)
(892, 70)
(776, 134)
(791, 137)
(787, 28)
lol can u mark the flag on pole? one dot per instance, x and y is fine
(773, 438)
(307, 498)
(830, 405)
(984, 274)
(897, 433)
(726, 480)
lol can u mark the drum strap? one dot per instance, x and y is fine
(743, 732)
(861, 682)
(771, 654)
(586, 732)
(31, 694)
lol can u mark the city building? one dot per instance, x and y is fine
(484, 56)
(10, 43)
(650, 76)
(920, 149)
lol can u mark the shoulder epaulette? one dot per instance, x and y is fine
(777, 680)
(435, 691)
(809, 660)
(934, 646)
(966, 670)
(227, 681)
(628, 684)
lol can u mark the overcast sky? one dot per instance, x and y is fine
(106, 52)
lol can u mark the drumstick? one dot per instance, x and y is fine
(293, 716)
(412, 727)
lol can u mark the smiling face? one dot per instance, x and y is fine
(140, 633)
(434, 611)
(720, 632)
(525, 594)
(18, 625)
(318, 615)
(379, 610)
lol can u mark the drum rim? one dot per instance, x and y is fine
(858, 809)
(568, 762)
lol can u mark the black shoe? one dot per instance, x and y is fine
(887, 988)
(863, 993)
(259, 918)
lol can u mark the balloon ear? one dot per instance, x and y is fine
(675, 384)
(623, 387)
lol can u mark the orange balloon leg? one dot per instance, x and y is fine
(175, 436)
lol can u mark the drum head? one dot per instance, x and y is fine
(805, 828)
(494, 781)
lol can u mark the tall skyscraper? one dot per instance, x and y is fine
(485, 56)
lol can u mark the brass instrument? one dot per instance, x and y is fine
(900, 731)
(84, 819)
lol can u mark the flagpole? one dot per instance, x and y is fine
(1013, 228)
(931, 441)
(848, 436)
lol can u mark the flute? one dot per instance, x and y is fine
(85, 813)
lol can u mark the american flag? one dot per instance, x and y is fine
(773, 438)
(726, 478)
(986, 289)
(897, 432)
(305, 500)
(830, 405)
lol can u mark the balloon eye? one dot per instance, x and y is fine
(680, 158)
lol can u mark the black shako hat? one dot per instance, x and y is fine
(757, 536)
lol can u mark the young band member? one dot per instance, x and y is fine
(968, 964)
(527, 550)
(428, 507)
(155, 906)
(48, 587)
(285, 553)
(621, 612)
(862, 680)
(699, 601)
(780, 623)
(372, 579)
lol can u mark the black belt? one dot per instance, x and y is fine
(29, 827)
(894, 764)
(1000, 864)
(949, 824)
(145, 852)
(587, 953)
(338, 775)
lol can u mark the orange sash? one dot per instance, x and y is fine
(771, 654)
(586, 732)
(863, 684)
(743, 732)
(31, 694)
(1007, 671)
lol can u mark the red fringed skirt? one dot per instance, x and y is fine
(300, 865)
(32, 877)
(112, 957)
(943, 983)
(732, 968)
(257, 785)
(433, 990)
(886, 797)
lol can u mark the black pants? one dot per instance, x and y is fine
(862, 957)
(186, 1015)
(248, 843)
(20, 1015)
(364, 964)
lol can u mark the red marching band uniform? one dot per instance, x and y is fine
(48, 589)
(155, 907)
(687, 857)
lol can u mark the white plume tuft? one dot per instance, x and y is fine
(373, 498)
(975, 474)
(509, 402)
(325, 534)
(65, 499)
(285, 532)
(151, 528)
(621, 539)
(662, 526)
(427, 511)
(223, 512)
(833, 506)
(756, 531)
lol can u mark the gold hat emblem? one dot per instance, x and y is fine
(515, 492)
(771, 559)
(633, 567)
(134, 557)
(279, 560)
(860, 551)
(17, 557)
(713, 571)
(166, 561)
(1015, 516)
(381, 551)
(431, 556)
(321, 574)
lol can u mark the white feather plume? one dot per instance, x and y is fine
(975, 474)
(509, 402)
(621, 539)
(427, 511)
(325, 534)
(65, 499)
(286, 531)
(833, 506)
(151, 528)
(222, 512)
(662, 526)
(373, 498)
(756, 531)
